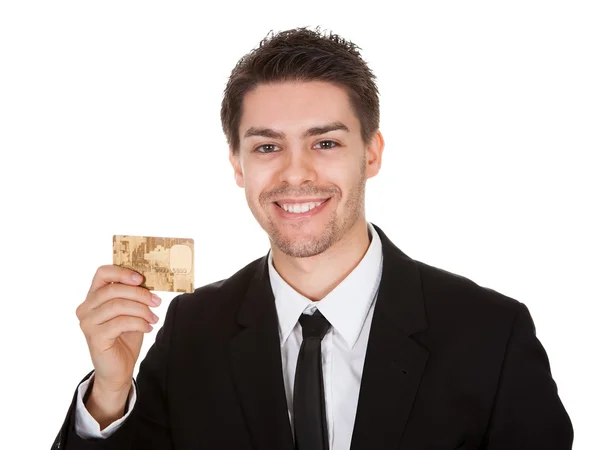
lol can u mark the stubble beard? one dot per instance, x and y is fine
(334, 229)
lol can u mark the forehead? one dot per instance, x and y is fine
(296, 106)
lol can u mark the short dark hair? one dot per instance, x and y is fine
(302, 55)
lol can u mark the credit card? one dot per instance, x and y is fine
(167, 264)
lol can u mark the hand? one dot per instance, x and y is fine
(114, 317)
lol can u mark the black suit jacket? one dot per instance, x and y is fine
(449, 365)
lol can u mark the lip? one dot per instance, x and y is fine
(295, 200)
(288, 215)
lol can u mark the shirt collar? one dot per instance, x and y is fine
(345, 307)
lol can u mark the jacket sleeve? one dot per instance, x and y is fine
(528, 413)
(147, 428)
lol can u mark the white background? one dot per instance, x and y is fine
(109, 124)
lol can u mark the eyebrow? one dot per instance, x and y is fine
(314, 131)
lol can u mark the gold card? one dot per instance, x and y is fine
(167, 264)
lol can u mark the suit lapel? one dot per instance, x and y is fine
(394, 362)
(255, 357)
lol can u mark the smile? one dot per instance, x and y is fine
(298, 210)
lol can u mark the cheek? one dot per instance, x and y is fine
(344, 177)
(256, 182)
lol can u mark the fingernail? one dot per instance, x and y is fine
(155, 317)
(156, 299)
(136, 277)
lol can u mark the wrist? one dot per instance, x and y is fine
(107, 406)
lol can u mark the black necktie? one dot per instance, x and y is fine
(310, 425)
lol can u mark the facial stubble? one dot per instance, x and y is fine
(334, 230)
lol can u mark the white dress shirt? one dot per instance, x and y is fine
(349, 309)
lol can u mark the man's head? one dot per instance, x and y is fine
(301, 117)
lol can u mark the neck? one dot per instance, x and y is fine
(316, 276)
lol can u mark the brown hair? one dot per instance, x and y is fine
(302, 55)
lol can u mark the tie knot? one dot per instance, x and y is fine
(314, 326)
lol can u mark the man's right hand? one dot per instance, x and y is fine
(114, 317)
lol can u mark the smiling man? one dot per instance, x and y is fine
(335, 339)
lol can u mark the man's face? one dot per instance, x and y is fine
(283, 165)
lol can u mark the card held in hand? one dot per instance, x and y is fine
(167, 264)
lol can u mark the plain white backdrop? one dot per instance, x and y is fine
(109, 124)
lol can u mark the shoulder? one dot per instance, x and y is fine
(217, 302)
(450, 297)
(454, 298)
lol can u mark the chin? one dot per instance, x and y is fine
(302, 250)
(300, 244)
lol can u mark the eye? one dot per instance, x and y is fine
(257, 149)
(329, 144)
(268, 148)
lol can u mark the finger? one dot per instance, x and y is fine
(112, 329)
(118, 290)
(122, 307)
(114, 274)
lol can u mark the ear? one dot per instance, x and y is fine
(374, 154)
(237, 168)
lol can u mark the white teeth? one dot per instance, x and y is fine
(299, 208)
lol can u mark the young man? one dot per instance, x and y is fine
(333, 340)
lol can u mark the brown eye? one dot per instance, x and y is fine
(267, 147)
(328, 146)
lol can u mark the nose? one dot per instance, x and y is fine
(298, 167)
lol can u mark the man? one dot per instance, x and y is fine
(333, 340)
